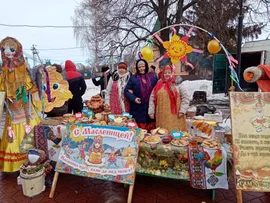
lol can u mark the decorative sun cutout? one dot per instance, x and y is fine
(177, 49)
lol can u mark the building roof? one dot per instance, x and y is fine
(256, 46)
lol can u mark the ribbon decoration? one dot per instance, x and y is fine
(140, 55)
(189, 32)
(10, 112)
(21, 93)
(174, 68)
(232, 60)
(159, 39)
(189, 64)
(197, 50)
(30, 105)
(48, 90)
(149, 42)
(160, 59)
(174, 30)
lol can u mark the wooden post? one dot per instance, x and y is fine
(55, 179)
(130, 193)
(239, 196)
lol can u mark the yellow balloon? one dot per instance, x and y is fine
(213, 46)
(147, 53)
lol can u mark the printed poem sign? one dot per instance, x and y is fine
(250, 114)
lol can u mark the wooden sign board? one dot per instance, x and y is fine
(250, 117)
(100, 152)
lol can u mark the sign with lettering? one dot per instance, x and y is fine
(102, 152)
(250, 114)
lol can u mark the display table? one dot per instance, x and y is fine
(163, 160)
(168, 161)
(159, 160)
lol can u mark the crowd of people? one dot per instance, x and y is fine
(153, 100)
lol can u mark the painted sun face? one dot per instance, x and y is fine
(177, 49)
(59, 91)
(9, 48)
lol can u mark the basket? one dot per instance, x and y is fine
(33, 184)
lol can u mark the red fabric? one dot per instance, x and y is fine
(264, 85)
(71, 72)
(147, 126)
(173, 94)
(115, 102)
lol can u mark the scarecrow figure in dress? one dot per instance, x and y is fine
(22, 104)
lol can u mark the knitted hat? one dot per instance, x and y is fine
(104, 69)
(141, 62)
(122, 65)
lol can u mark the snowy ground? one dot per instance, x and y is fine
(203, 85)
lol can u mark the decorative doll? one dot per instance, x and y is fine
(96, 150)
(21, 113)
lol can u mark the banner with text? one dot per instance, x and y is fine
(102, 152)
(250, 114)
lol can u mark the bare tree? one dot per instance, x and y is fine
(128, 23)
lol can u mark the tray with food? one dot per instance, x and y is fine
(153, 139)
(160, 132)
(211, 144)
(179, 142)
(186, 136)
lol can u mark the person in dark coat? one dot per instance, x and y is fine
(77, 87)
(138, 90)
(102, 82)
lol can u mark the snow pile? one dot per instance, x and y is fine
(203, 85)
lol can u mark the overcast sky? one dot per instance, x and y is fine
(37, 12)
(44, 12)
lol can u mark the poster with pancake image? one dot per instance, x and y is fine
(100, 152)
(250, 118)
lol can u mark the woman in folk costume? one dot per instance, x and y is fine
(114, 95)
(21, 114)
(169, 102)
(138, 90)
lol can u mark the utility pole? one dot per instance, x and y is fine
(34, 51)
(239, 42)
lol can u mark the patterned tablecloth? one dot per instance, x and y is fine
(168, 161)
(161, 160)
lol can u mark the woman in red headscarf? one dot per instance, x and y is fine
(169, 102)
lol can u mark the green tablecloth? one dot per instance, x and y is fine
(168, 161)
